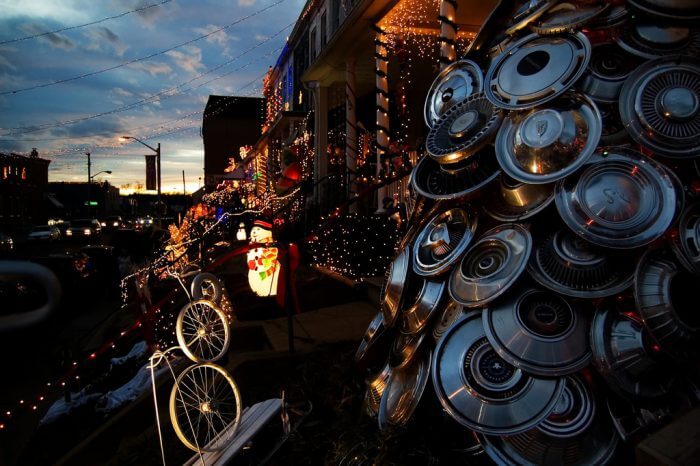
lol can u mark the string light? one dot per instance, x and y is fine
(355, 245)
(349, 244)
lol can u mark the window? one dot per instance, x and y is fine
(312, 43)
(324, 29)
(335, 14)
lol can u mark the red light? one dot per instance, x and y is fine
(93, 355)
(656, 348)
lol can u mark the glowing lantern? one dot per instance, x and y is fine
(263, 266)
(240, 234)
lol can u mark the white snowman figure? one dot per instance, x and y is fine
(263, 266)
(241, 234)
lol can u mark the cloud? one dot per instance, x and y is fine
(156, 15)
(98, 35)
(58, 41)
(99, 127)
(122, 92)
(219, 38)
(149, 14)
(11, 146)
(153, 68)
(5, 63)
(191, 62)
(246, 2)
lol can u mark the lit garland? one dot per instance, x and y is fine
(415, 22)
(355, 245)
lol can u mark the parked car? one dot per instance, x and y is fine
(44, 233)
(105, 264)
(84, 228)
(6, 243)
(75, 272)
(112, 223)
(141, 223)
(62, 227)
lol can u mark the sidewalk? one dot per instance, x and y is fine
(258, 360)
(334, 324)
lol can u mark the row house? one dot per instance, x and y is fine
(23, 182)
(347, 94)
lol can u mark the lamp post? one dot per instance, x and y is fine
(109, 172)
(89, 183)
(90, 178)
(157, 152)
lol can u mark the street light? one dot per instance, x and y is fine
(109, 172)
(90, 178)
(157, 151)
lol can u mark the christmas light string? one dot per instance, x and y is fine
(334, 214)
(72, 373)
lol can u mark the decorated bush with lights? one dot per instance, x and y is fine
(355, 245)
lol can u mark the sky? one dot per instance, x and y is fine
(149, 75)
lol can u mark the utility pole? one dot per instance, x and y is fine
(89, 182)
(184, 191)
(157, 151)
(158, 168)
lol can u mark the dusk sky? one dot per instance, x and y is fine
(157, 99)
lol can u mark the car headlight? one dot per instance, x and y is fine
(69, 233)
(116, 224)
(87, 231)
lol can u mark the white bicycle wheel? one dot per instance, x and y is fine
(202, 331)
(205, 407)
(206, 286)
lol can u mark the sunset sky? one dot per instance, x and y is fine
(142, 81)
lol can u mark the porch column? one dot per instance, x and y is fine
(448, 32)
(381, 63)
(350, 129)
(320, 141)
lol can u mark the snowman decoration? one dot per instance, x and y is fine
(241, 234)
(263, 266)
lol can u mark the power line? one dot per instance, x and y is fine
(162, 95)
(108, 18)
(147, 57)
(219, 108)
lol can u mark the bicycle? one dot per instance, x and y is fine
(205, 403)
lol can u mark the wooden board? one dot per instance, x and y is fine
(677, 444)
(253, 419)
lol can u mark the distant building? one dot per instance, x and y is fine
(74, 199)
(23, 183)
(229, 123)
(139, 204)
